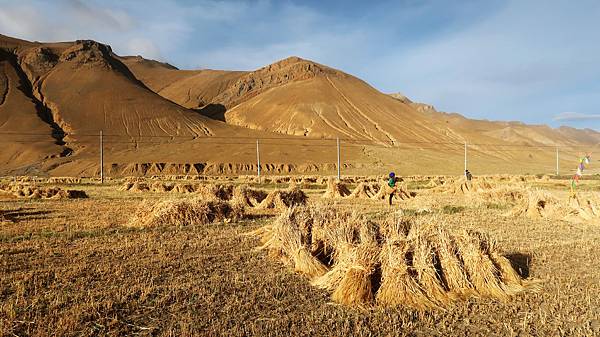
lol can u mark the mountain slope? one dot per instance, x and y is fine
(511, 132)
(300, 97)
(65, 93)
(26, 133)
(56, 97)
(102, 94)
(192, 89)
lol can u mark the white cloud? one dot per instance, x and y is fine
(145, 47)
(520, 62)
(97, 17)
(146, 32)
(21, 21)
(575, 116)
(510, 60)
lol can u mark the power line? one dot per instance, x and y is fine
(252, 140)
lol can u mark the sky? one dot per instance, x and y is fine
(528, 60)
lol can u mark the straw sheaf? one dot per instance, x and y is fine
(248, 197)
(38, 192)
(184, 213)
(419, 264)
(400, 191)
(335, 189)
(282, 199)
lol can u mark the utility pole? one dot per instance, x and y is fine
(338, 158)
(557, 170)
(101, 158)
(465, 156)
(258, 160)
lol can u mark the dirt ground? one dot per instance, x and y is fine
(73, 267)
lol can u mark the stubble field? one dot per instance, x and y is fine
(77, 267)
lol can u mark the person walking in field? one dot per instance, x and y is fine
(468, 175)
(392, 185)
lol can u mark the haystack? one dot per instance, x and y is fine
(335, 189)
(348, 243)
(400, 191)
(583, 208)
(184, 188)
(398, 283)
(448, 266)
(434, 183)
(538, 204)
(184, 212)
(139, 187)
(365, 191)
(422, 265)
(356, 286)
(161, 187)
(309, 180)
(37, 192)
(322, 180)
(286, 240)
(215, 191)
(248, 197)
(64, 180)
(462, 186)
(282, 199)
(503, 194)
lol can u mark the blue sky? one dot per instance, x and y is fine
(534, 61)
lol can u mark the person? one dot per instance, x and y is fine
(392, 184)
(579, 173)
(468, 175)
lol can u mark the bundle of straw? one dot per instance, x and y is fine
(482, 272)
(422, 265)
(248, 197)
(364, 191)
(184, 212)
(159, 186)
(289, 235)
(398, 286)
(282, 199)
(335, 189)
(356, 288)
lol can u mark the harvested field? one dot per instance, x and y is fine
(75, 267)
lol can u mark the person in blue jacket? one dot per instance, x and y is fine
(392, 184)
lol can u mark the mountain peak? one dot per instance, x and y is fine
(148, 62)
(298, 68)
(86, 52)
(291, 69)
(399, 96)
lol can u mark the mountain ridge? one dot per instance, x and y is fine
(156, 115)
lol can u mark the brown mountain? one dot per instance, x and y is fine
(301, 97)
(56, 97)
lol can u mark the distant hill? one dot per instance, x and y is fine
(56, 97)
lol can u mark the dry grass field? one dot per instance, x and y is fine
(72, 267)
